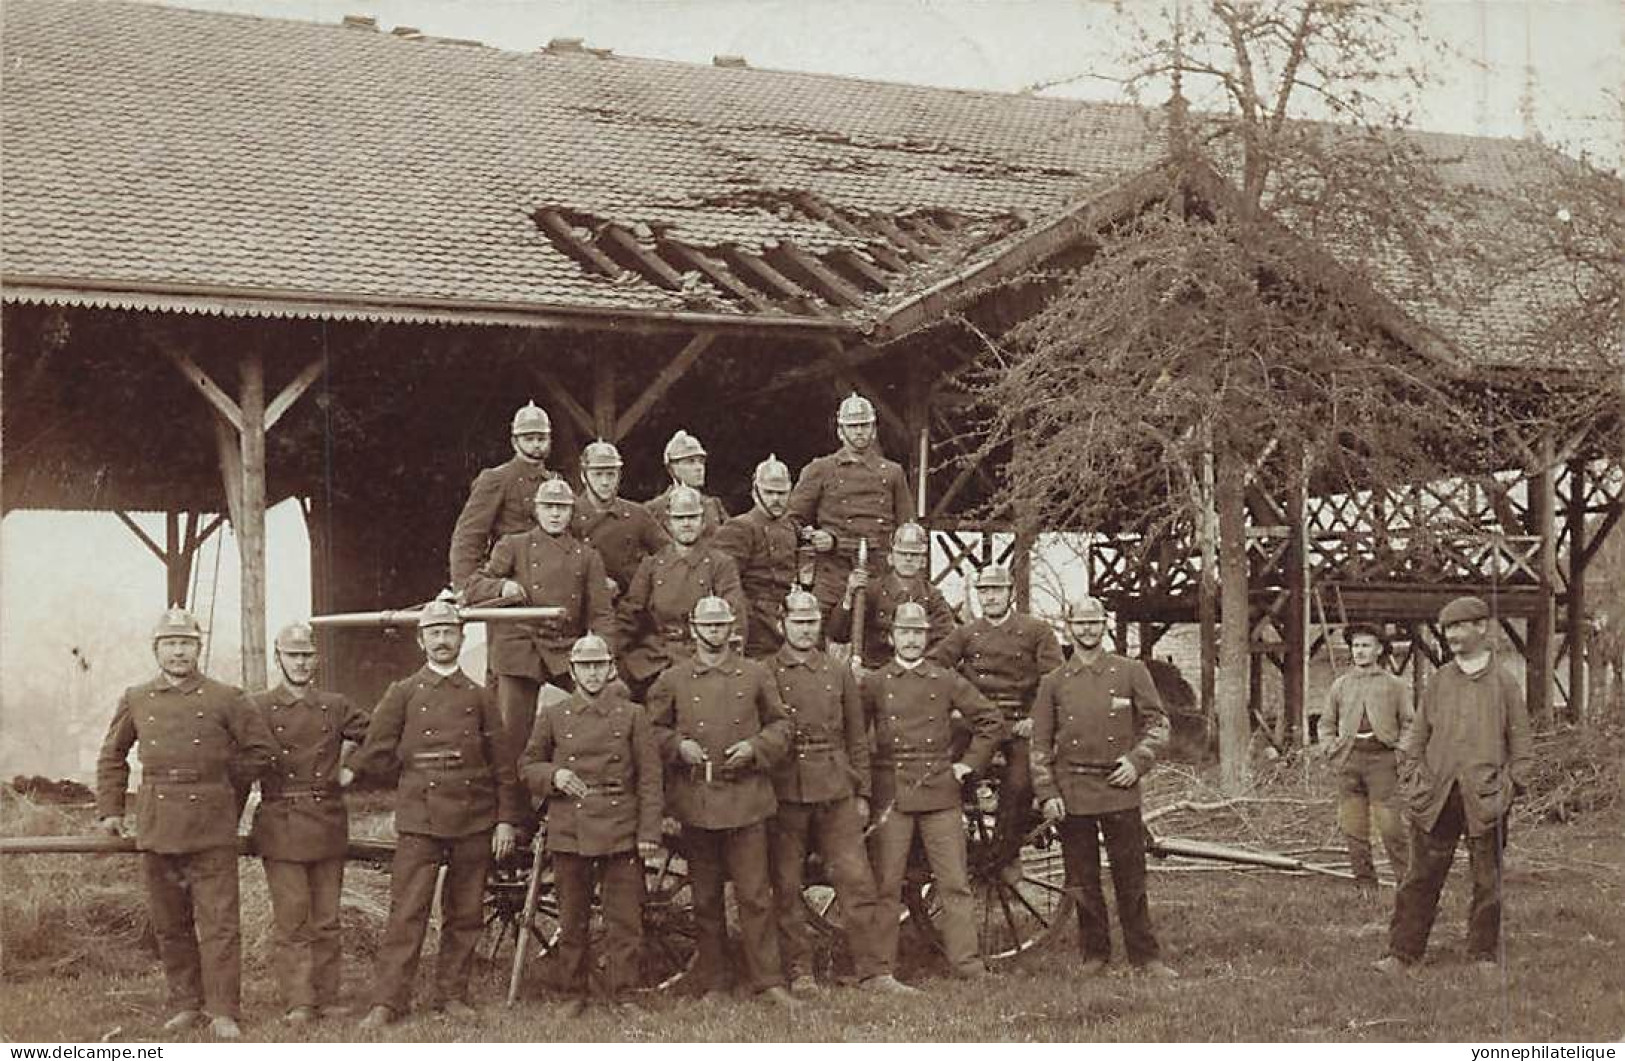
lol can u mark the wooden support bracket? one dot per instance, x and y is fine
(218, 400)
(658, 387)
(142, 536)
(292, 392)
(564, 400)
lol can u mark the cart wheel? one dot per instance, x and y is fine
(669, 935)
(1017, 892)
(505, 887)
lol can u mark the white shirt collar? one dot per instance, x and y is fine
(444, 672)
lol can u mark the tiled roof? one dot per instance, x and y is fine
(195, 154)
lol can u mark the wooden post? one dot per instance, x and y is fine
(1295, 621)
(603, 394)
(1579, 642)
(1207, 601)
(251, 530)
(1543, 514)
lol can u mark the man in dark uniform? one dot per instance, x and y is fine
(499, 502)
(721, 727)
(1004, 654)
(622, 532)
(1462, 761)
(545, 566)
(1098, 727)
(762, 543)
(190, 730)
(685, 464)
(593, 758)
(456, 805)
(851, 494)
(301, 827)
(916, 788)
(823, 793)
(652, 617)
(905, 580)
(1367, 708)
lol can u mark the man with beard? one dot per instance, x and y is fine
(653, 616)
(721, 728)
(685, 464)
(499, 502)
(762, 543)
(546, 566)
(1098, 726)
(852, 494)
(302, 827)
(1004, 654)
(909, 703)
(1464, 758)
(457, 805)
(622, 532)
(906, 580)
(191, 732)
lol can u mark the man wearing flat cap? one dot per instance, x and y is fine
(1461, 762)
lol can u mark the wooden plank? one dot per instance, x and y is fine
(658, 387)
(292, 392)
(218, 400)
(564, 400)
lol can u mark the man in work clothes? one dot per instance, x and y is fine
(189, 730)
(1461, 762)
(622, 532)
(685, 464)
(456, 805)
(916, 787)
(593, 758)
(501, 498)
(721, 728)
(823, 792)
(1367, 709)
(1098, 727)
(652, 618)
(854, 493)
(545, 566)
(762, 543)
(301, 828)
(1004, 654)
(906, 580)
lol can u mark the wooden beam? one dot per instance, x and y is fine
(142, 536)
(658, 387)
(564, 235)
(218, 399)
(1575, 619)
(1609, 519)
(603, 394)
(824, 366)
(827, 284)
(714, 271)
(251, 531)
(766, 277)
(231, 469)
(856, 263)
(1295, 623)
(1543, 513)
(640, 258)
(292, 392)
(564, 400)
(895, 233)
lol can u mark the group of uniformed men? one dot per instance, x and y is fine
(693, 704)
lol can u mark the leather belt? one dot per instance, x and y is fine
(299, 793)
(447, 760)
(179, 775)
(815, 744)
(918, 757)
(1090, 768)
(607, 788)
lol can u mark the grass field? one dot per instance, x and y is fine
(1263, 956)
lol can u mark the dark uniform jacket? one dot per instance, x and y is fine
(713, 514)
(830, 757)
(302, 817)
(502, 501)
(910, 711)
(444, 736)
(608, 743)
(1084, 718)
(880, 602)
(652, 617)
(1004, 660)
(193, 737)
(622, 532)
(560, 572)
(764, 549)
(853, 497)
(717, 706)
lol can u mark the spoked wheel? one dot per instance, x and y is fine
(505, 887)
(1017, 889)
(669, 934)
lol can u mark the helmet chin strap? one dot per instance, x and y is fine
(288, 677)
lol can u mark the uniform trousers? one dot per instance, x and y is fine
(837, 831)
(411, 894)
(713, 856)
(1014, 815)
(516, 700)
(1125, 846)
(305, 944)
(193, 901)
(1432, 852)
(619, 878)
(942, 835)
(1366, 787)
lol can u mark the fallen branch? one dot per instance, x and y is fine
(1226, 804)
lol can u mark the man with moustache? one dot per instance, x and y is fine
(500, 499)
(1463, 760)
(192, 733)
(685, 464)
(301, 827)
(906, 580)
(1098, 727)
(456, 805)
(622, 532)
(762, 543)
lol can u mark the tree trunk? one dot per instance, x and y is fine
(1231, 692)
